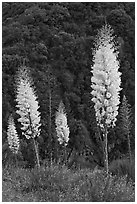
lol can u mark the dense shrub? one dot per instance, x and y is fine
(123, 167)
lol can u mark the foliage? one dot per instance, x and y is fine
(125, 115)
(56, 38)
(59, 184)
(122, 167)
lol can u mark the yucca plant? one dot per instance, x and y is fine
(27, 105)
(105, 83)
(12, 136)
(62, 128)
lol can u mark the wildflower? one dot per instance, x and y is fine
(106, 77)
(62, 128)
(27, 105)
(105, 83)
(13, 139)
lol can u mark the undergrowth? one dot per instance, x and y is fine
(122, 167)
(57, 183)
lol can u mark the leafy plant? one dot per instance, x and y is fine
(122, 167)
(56, 183)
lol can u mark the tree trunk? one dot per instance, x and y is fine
(36, 151)
(106, 149)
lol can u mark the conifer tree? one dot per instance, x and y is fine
(28, 107)
(105, 83)
(125, 116)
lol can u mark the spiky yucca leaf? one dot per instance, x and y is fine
(62, 128)
(27, 104)
(13, 139)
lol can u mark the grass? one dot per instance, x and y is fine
(59, 184)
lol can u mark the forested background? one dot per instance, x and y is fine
(55, 40)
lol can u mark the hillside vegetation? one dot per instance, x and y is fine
(55, 42)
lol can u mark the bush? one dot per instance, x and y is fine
(57, 183)
(110, 188)
(123, 167)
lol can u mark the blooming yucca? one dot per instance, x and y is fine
(106, 78)
(13, 139)
(105, 82)
(62, 128)
(27, 105)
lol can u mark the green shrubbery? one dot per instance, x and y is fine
(59, 184)
(122, 167)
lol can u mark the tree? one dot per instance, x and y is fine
(105, 83)
(28, 107)
(125, 116)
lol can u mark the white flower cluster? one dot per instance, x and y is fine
(62, 128)
(13, 139)
(106, 79)
(27, 105)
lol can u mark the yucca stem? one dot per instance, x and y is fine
(16, 161)
(35, 145)
(36, 151)
(106, 149)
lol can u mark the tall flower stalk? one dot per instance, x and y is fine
(27, 105)
(62, 128)
(12, 136)
(105, 83)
